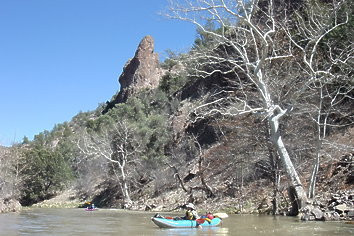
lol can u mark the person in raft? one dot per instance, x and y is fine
(191, 213)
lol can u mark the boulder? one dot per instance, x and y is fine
(351, 213)
(341, 208)
(311, 212)
(317, 213)
(331, 216)
(9, 205)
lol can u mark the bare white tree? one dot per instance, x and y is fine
(251, 38)
(330, 99)
(118, 147)
(326, 63)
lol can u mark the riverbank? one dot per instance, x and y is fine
(67, 199)
(338, 206)
(334, 200)
(325, 207)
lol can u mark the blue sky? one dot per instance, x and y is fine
(60, 57)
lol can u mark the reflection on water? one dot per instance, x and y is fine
(117, 222)
(188, 231)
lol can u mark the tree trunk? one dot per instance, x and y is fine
(274, 114)
(313, 180)
(275, 172)
(179, 178)
(125, 189)
(276, 182)
(299, 195)
(206, 188)
(275, 201)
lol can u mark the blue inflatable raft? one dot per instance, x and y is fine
(172, 223)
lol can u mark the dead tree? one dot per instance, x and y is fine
(118, 147)
(250, 38)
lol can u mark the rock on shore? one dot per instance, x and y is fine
(339, 207)
(9, 205)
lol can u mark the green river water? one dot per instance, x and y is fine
(118, 222)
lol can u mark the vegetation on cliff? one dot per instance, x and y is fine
(261, 105)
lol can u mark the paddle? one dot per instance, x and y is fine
(221, 215)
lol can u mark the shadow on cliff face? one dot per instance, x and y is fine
(205, 133)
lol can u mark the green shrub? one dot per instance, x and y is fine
(43, 174)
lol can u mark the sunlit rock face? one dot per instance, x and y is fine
(140, 72)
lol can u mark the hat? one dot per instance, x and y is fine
(190, 205)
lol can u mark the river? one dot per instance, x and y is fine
(39, 221)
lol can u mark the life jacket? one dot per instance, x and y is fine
(210, 216)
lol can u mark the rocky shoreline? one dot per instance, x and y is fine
(340, 206)
(329, 207)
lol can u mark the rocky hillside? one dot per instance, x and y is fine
(226, 160)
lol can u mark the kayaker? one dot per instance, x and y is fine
(191, 213)
(92, 206)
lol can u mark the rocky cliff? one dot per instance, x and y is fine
(141, 72)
